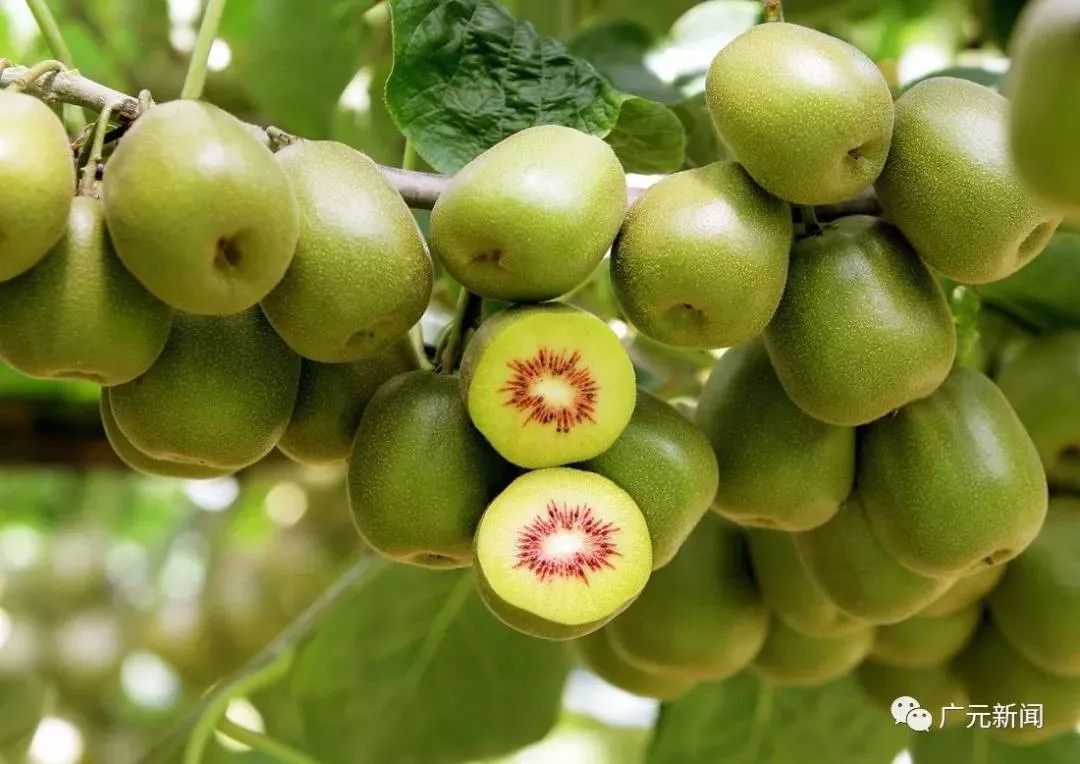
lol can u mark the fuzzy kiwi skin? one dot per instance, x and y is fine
(148, 465)
(420, 475)
(934, 687)
(667, 466)
(598, 655)
(924, 642)
(700, 616)
(967, 590)
(790, 657)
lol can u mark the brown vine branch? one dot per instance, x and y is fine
(420, 190)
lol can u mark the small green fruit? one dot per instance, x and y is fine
(855, 572)
(863, 327)
(935, 688)
(361, 276)
(37, 180)
(664, 462)
(702, 257)
(808, 115)
(420, 476)
(1045, 110)
(992, 671)
(920, 642)
(560, 552)
(1037, 604)
(219, 395)
(600, 657)
(531, 217)
(198, 209)
(788, 589)
(79, 314)
(952, 482)
(700, 616)
(967, 590)
(951, 186)
(332, 399)
(1041, 383)
(779, 468)
(789, 657)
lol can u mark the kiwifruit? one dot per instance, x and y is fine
(198, 209)
(849, 564)
(920, 642)
(420, 475)
(560, 552)
(361, 275)
(37, 179)
(935, 688)
(332, 399)
(967, 590)
(700, 616)
(789, 590)
(600, 657)
(790, 657)
(219, 395)
(548, 385)
(145, 463)
(664, 462)
(79, 313)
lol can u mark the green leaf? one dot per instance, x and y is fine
(747, 721)
(413, 668)
(698, 35)
(1045, 293)
(963, 746)
(703, 144)
(617, 49)
(467, 75)
(23, 703)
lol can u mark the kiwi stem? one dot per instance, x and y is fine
(257, 741)
(774, 10)
(466, 316)
(409, 157)
(208, 28)
(50, 30)
(811, 225)
(89, 170)
(36, 72)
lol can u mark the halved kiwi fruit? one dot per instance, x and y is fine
(560, 552)
(548, 385)
(601, 659)
(790, 657)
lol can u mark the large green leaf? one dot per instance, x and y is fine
(964, 746)
(1045, 294)
(413, 668)
(467, 75)
(746, 721)
(617, 49)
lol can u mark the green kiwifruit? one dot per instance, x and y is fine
(79, 314)
(967, 590)
(548, 385)
(952, 482)
(531, 217)
(993, 672)
(1041, 383)
(37, 179)
(935, 688)
(219, 395)
(560, 552)
(1037, 604)
(855, 572)
(788, 589)
(808, 115)
(198, 209)
(790, 657)
(600, 657)
(332, 399)
(700, 616)
(144, 463)
(665, 463)
(702, 257)
(863, 327)
(1045, 113)
(921, 642)
(951, 187)
(361, 275)
(779, 467)
(420, 475)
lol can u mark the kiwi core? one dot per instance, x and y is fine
(552, 388)
(566, 542)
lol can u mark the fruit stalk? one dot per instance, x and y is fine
(50, 30)
(275, 749)
(774, 10)
(466, 315)
(196, 73)
(89, 171)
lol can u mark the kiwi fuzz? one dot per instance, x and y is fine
(547, 385)
(560, 552)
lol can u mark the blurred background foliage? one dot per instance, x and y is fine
(123, 597)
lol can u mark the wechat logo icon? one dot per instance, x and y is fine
(906, 710)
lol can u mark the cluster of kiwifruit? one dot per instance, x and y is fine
(867, 494)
